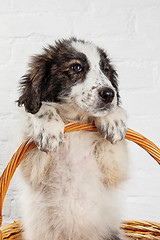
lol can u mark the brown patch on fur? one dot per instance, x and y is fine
(48, 115)
(93, 87)
(109, 178)
(50, 76)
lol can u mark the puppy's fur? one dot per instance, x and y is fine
(70, 179)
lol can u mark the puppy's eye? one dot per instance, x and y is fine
(106, 70)
(77, 68)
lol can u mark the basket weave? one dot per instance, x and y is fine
(133, 229)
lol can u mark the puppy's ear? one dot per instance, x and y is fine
(31, 84)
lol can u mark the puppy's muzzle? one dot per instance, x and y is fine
(106, 94)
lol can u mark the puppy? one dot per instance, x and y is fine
(71, 180)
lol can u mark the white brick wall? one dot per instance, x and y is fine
(130, 30)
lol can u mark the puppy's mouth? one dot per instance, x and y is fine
(103, 110)
(96, 110)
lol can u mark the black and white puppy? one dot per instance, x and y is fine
(70, 179)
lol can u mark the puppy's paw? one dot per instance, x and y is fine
(48, 131)
(48, 142)
(113, 127)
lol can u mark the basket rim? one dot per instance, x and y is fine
(136, 229)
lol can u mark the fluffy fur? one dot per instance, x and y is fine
(70, 179)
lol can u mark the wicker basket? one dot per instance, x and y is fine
(133, 229)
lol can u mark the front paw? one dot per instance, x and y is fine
(49, 134)
(48, 142)
(113, 127)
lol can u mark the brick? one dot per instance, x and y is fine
(134, 75)
(100, 24)
(156, 75)
(124, 4)
(8, 99)
(4, 153)
(23, 25)
(10, 76)
(147, 126)
(136, 49)
(9, 124)
(148, 22)
(140, 103)
(23, 50)
(5, 50)
(5, 6)
(50, 5)
(144, 208)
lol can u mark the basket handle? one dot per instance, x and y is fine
(17, 157)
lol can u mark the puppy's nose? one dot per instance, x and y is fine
(106, 94)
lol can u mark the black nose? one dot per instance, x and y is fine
(106, 94)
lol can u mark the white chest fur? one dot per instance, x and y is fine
(70, 196)
(79, 193)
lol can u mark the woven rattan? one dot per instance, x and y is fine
(133, 229)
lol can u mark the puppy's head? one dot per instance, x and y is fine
(73, 72)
